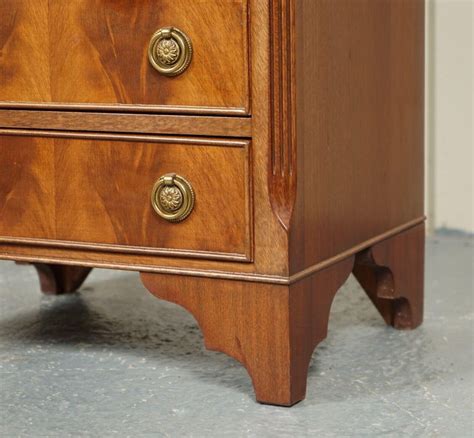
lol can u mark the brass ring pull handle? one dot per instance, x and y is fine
(173, 198)
(170, 51)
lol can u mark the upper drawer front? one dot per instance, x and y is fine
(95, 52)
(96, 194)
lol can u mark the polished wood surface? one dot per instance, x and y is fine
(127, 123)
(304, 143)
(85, 193)
(360, 122)
(270, 260)
(271, 329)
(95, 52)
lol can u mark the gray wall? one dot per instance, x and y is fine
(449, 118)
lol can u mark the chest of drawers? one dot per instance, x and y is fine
(245, 156)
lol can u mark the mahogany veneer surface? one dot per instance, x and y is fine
(94, 52)
(299, 124)
(359, 93)
(97, 194)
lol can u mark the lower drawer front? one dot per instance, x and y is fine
(96, 193)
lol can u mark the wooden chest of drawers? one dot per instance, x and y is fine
(244, 155)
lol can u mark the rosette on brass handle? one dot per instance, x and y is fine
(170, 51)
(173, 197)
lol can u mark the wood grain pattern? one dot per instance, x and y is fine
(360, 123)
(95, 52)
(142, 123)
(392, 274)
(270, 259)
(97, 195)
(269, 239)
(325, 167)
(272, 330)
(355, 181)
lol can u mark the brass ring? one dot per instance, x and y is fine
(172, 198)
(170, 51)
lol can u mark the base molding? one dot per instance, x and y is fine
(273, 329)
(94, 259)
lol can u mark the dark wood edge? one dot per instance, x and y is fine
(165, 139)
(250, 205)
(61, 279)
(128, 123)
(259, 278)
(157, 109)
(248, 51)
(223, 275)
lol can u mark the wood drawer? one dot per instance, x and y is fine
(94, 53)
(92, 192)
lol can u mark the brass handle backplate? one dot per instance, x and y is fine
(170, 51)
(173, 198)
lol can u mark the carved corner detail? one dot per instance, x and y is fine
(391, 273)
(282, 175)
